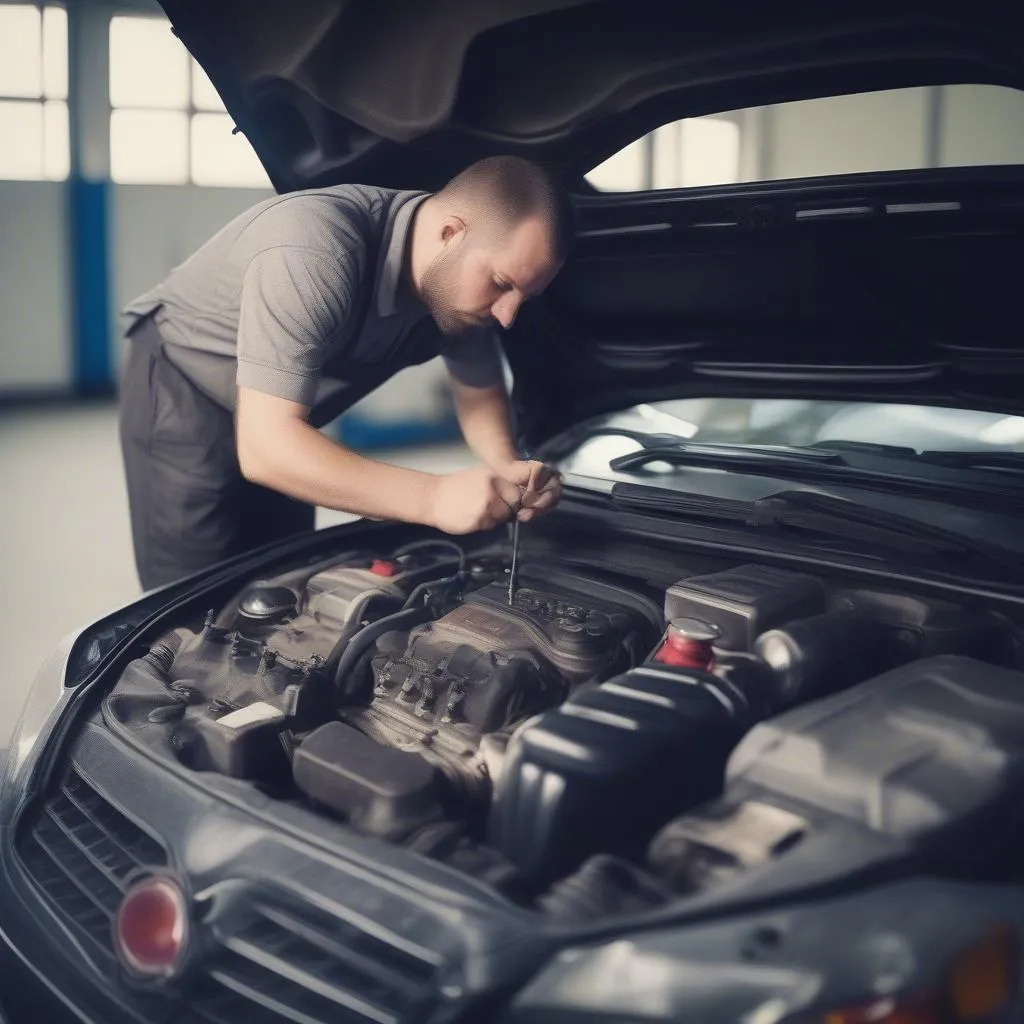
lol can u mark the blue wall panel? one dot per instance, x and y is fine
(90, 285)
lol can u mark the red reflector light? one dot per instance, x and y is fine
(381, 568)
(151, 928)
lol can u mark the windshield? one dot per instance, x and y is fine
(798, 424)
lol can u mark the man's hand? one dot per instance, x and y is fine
(474, 499)
(541, 487)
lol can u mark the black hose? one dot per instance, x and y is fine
(414, 598)
(357, 646)
(417, 592)
(450, 545)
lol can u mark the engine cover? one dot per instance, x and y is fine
(486, 665)
(923, 760)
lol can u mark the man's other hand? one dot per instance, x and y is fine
(540, 487)
(473, 499)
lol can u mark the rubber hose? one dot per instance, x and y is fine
(357, 646)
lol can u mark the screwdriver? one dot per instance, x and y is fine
(514, 571)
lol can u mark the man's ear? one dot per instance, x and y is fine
(452, 229)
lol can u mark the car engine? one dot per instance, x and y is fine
(486, 665)
(577, 746)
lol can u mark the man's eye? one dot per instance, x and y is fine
(502, 286)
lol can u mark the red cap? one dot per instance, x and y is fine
(688, 643)
(380, 567)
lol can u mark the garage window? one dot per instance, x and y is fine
(33, 92)
(170, 128)
(898, 129)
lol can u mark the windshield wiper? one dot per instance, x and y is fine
(651, 443)
(1001, 461)
(818, 465)
(823, 514)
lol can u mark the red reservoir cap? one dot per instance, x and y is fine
(688, 643)
(381, 567)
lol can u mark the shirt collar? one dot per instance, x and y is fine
(396, 232)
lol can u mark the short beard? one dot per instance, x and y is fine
(436, 289)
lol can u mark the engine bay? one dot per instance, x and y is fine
(603, 741)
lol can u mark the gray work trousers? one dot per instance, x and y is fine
(190, 505)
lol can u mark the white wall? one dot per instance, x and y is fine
(883, 131)
(35, 313)
(981, 125)
(155, 227)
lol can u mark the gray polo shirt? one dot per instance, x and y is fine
(303, 297)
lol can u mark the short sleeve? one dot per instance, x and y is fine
(474, 358)
(293, 300)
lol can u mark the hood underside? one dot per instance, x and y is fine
(406, 92)
(896, 287)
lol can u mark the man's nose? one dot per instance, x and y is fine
(505, 310)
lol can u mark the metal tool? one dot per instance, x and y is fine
(514, 571)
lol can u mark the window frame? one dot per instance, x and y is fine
(191, 109)
(45, 97)
(758, 143)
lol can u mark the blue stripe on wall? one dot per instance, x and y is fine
(362, 434)
(90, 285)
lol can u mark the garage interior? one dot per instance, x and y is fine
(117, 160)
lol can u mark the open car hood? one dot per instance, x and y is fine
(404, 93)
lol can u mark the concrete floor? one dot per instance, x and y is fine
(65, 543)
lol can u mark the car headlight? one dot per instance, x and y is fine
(39, 712)
(77, 659)
(978, 988)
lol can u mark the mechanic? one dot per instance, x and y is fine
(297, 309)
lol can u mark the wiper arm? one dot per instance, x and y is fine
(741, 455)
(823, 514)
(699, 449)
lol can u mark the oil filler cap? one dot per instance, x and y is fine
(267, 603)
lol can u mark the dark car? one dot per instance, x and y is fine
(747, 742)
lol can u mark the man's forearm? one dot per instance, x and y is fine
(485, 420)
(300, 461)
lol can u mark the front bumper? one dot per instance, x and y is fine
(24, 994)
(300, 919)
(313, 924)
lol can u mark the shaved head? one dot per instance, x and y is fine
(503, 191)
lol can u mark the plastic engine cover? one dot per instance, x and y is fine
(382, 792)
(903, 763)
(605, 769)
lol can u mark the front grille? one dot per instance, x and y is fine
(286, 965)
(279, 965)
(79, 850)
